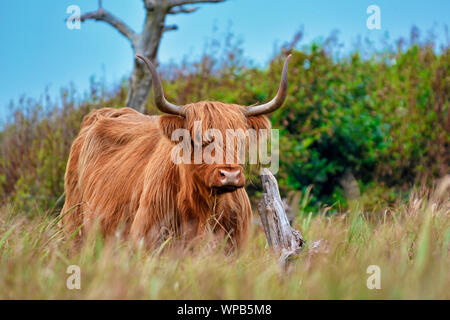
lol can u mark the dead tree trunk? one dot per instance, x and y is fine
(146, 42)
(282, 238)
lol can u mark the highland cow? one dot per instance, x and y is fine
(120, 173)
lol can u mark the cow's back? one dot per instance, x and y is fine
(104, 173)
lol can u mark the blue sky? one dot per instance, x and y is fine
(39, 51)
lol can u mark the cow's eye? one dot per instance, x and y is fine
(208, 141)
(204, 143)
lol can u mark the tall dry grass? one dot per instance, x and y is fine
(409, 242)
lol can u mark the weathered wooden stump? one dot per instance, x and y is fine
(282, 238)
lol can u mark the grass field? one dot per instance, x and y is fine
(410, 243)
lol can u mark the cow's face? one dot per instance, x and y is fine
(225, 173)
(216, 131)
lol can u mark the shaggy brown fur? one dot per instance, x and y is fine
(120, 175)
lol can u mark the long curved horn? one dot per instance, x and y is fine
(276, 102)
(160, 101)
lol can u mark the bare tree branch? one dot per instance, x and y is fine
(176, 3)
(181, 9)
(148, 4)
(172, 27)
(145, 41)
(105, 16)
(281, 237)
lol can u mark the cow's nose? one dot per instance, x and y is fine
(229, 177)
(232, 178)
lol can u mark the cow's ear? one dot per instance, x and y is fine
(258, 122)
(169, 123)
